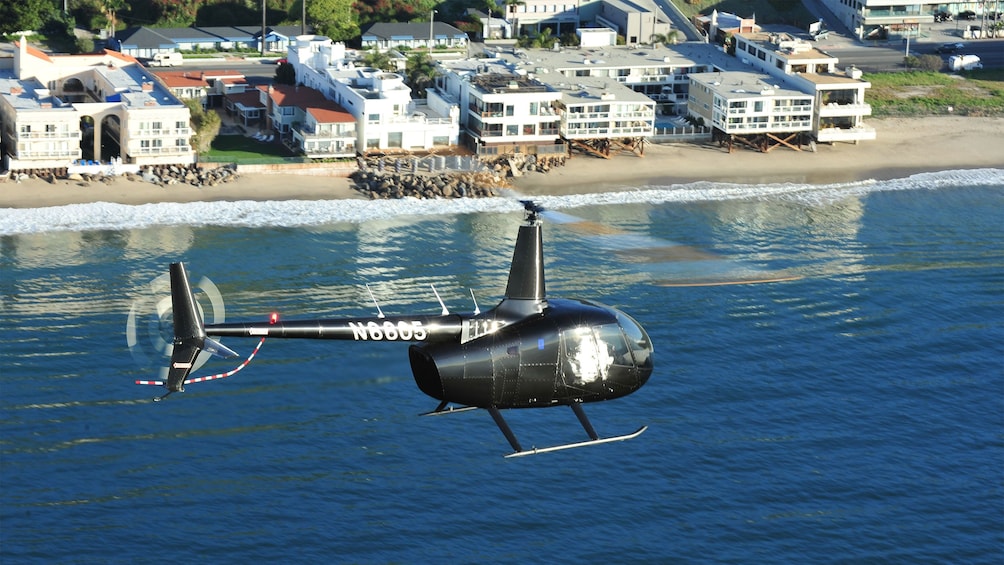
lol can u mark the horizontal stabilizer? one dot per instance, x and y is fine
(218, 349)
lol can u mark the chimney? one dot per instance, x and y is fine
(147, 87)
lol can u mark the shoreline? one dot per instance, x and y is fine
(904, 146)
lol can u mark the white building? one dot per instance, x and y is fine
(504, 111)
(386, 115)
(98, 107)
(745, 105)
(839, 97)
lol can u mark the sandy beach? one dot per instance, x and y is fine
(904, 146)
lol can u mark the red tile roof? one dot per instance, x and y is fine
(311, 100)
(33, 51)
(122, 56)
(179, 79)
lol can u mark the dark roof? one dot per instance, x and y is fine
(414, 30)
(230, 33)
(187, 34)
(166, 37)
(142, 38)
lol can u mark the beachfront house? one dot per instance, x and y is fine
(387, 118)
(658, 72)
(308, 121)
(748, 108)
(598, 115)
(839, 96)
(504, 110)
(96, 107)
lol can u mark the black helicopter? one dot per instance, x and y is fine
(529, 351)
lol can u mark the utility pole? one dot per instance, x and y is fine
(303, 18)
(432, 18)
(262, 28)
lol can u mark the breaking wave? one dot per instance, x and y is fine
(293, 213)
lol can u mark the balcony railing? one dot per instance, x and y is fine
(164, 150)
(861, 132)
(49, 134)
(837, 109)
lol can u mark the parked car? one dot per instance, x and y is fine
(282, 61)
(966, 15)
(949, 48)
(942, 17)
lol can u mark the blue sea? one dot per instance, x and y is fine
(853, 415)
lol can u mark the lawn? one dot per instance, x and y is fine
(242, 149)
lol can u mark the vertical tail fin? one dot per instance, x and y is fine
(189, 331)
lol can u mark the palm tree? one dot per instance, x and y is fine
(421, 72)
(670, 38)
(109, 9)
(379, 60)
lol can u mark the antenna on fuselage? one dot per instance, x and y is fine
(477, 310)
(373, 298)
(445, 311)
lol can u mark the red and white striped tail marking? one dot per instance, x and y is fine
(216, 376)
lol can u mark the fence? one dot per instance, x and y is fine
(429, 163)
(689, 133)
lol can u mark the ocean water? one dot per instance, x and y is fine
(853, 415)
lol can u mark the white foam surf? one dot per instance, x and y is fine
(294, 213)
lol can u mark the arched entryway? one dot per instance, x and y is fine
(73, 91)
(87, 138)
(111, 135)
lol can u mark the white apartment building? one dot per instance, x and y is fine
(515, 108)
(744, 104)
(504, 111)
(839, 97)
(386, 115)
(61, 108)
(659, 73)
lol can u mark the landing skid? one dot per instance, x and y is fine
(536, 450)
(594, 439)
